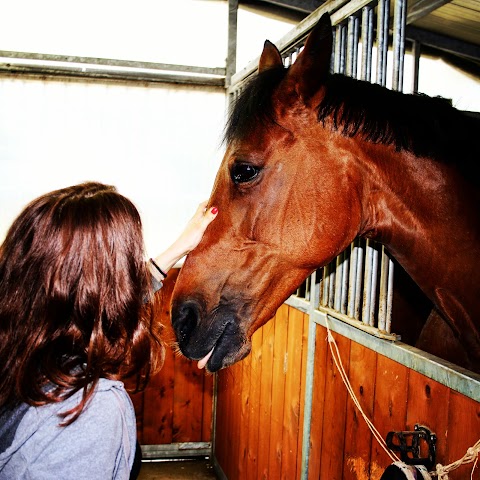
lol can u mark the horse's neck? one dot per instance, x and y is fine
(426, 218)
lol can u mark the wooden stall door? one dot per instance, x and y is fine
(260, 405)
(175, 411)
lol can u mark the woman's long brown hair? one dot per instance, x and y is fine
(73, 282)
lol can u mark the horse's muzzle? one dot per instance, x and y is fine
(198, 333)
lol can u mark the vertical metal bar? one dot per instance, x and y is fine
(367, 43)
(338, 282)
(352, 284)
(331, 286)
(382, 302)
(383, 16)
(373, 286)
(334, 55)
(388, 324)
(309, 377)
(325, 282)
(343, 51)
(345, 276)
(367, 282)
(287, 60)
(307, 288)
(358, 279)
(337, 48)
(340, 48)
(416, 50)
(231, 66)
(352, 45)
(399, 24)
(320, 276)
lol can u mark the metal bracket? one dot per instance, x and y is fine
(412, 444)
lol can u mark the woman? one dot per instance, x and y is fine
(73, 324)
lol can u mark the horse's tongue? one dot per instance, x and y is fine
(204, 360)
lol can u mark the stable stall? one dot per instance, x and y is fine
(333, 387)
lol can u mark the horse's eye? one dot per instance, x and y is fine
(243, 172)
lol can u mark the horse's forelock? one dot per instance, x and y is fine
(253, 105)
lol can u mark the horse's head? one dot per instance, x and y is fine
(263, 244)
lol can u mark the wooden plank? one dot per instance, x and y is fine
(265, 400)
(279, 356)
(244, 412)
(158, 396)
(426, 400)
(319, 387)
(137, 399)
(463, 433)
(334, 414)
(390, 408)
(232, 434)
(358, 437)
(207, 407)
(229, 420)
(254, 419)
(187, 421)
(221, 415)
(158, 405)
(224, 452)
(291, 413)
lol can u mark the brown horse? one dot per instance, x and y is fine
(372, 162)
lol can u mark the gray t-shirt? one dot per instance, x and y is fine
(99, 445)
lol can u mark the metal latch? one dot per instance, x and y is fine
(413, 446)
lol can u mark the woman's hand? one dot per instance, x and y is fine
(188, 239)
(193, 232)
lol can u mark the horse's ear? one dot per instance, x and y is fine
(312, 66)
(270, 57)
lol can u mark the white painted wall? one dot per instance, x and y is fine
(159, 144)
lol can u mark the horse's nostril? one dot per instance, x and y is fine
(185, 322)
(189, 323)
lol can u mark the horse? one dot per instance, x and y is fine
(375, 163)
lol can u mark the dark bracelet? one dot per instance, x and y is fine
(158, 268)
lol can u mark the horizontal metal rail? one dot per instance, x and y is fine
(439, 370)
(36, 64)
(177, 450)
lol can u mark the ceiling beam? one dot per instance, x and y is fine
(304, 6)
(423, 8)
(442, 42)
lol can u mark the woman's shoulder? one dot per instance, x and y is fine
(109, 409)
(112, 393)
(102, 437)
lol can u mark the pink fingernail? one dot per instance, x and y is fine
(214, 210)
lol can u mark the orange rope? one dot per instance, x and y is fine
(338, 362)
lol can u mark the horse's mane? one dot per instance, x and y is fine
(424, 125)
